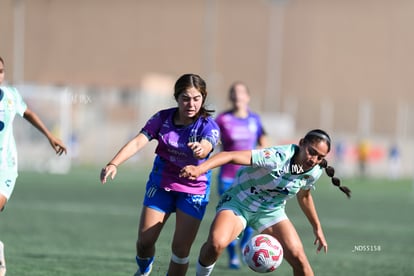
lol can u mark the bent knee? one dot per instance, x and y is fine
(299, 261)
(296, 256)
(217, 244)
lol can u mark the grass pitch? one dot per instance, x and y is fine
(73, 225)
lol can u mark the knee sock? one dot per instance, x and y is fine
(247, 234)
(231, 249)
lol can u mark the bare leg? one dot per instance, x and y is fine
(3, 201)
(186, 229)
(293, 250)
(151, 224)
(224, 229)
(2, 260)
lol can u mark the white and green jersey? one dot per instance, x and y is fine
(11, 103)
(272, 179)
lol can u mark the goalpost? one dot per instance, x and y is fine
(54, 107)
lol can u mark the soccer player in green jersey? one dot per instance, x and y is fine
(259, 193)
(11, 103)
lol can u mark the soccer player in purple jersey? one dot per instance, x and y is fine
(185, 134)
(241, 129)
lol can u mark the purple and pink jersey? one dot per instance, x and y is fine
(237, 134)
(172, 152)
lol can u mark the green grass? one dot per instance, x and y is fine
(73, 225)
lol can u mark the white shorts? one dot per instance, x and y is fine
(7, 182)
(257, 220)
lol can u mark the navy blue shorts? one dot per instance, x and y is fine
(169, 201)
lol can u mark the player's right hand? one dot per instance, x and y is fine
(190, 172)
(109, 170)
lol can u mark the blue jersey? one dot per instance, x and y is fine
(173, 153)
(11, 103)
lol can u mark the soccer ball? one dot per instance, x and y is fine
(263, 253)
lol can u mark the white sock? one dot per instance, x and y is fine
(204, 270)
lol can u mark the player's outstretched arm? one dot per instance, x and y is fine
(305, 201)
(243, 157)
(56, 144)
(126, 152)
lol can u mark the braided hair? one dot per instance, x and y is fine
(318, 135)
(330, 171)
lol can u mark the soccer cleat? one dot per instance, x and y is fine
(144, 264)
(2, 260)
(139, 273)
(234, 264)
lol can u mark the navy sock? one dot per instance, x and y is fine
(231, 249)
(144, 263)
(247, 234)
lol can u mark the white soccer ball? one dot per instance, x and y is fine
(263, 253)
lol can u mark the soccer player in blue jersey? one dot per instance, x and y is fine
(185, 134)
(241, 129)
(11, 103)
(258, 197)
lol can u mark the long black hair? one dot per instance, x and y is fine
(318, 135)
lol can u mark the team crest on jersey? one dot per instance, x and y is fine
(10, 104)
(267, 154)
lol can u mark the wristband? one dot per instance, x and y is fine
(112, 165)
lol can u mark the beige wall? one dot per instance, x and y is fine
(349, 51)
(323, 52)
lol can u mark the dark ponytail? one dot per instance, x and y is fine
(317, 135)
(330, 171)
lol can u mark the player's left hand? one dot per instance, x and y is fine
(320, 241)
(197, 149)
(57, 145)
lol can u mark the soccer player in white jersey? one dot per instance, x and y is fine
(11, 103)
(258, 197)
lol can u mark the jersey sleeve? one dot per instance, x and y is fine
(312, 178)
(270, 158)
(152, 126)
(210, 131)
